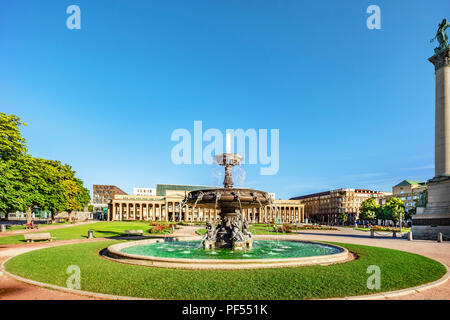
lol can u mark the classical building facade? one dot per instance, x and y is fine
(408, 191)
(102, 194)
(167, 206)
(325, 206)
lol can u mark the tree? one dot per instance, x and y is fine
(30, 182)
(12, 191)
(27, 182)
(394, 209)
(343, 216)
(380, 214)
(12, 144)
(368, 210)
(41, 185)
(77, 196)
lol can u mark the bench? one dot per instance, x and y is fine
(35, 226)
(134, 232)
(30, 237)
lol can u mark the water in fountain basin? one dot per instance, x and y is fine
(276, 220)
(262, 249)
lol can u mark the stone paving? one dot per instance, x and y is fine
(11, 289)
(431, 249)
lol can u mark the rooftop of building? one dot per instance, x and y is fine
(324, 193)
(107, 187)
(162, 188)
(405, 183)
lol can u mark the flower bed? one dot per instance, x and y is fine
(157, 227)
(388, 229)
(289, 228)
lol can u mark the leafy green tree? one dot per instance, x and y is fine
(343, 216)
(27, 182)
(394, 210)
(368, 210)
(41, 184)
(380, 214)
(12, 144)
(77, 196)
(12, 190)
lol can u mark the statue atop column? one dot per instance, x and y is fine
(441, 36)
(433, 211)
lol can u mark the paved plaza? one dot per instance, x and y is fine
(11, 289)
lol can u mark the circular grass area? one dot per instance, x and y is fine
(399, 270)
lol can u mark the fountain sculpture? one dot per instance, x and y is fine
(228, 239)
(232, 232)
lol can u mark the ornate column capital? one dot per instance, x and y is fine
(441, 59)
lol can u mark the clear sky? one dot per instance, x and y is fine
(355, 107)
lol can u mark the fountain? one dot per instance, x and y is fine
(229, 244)
(232, 232)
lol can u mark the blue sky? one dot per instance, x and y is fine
(355, 107)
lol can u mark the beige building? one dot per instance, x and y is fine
(167, 206)
(325, 206)
(408, 191)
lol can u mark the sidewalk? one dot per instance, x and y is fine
(430, 249)
(11, 289)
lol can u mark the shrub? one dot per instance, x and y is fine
(381, 228)
(285, 228)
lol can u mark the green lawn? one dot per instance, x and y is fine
(101, 229)
(398, 270)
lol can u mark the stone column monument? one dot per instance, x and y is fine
(435, 217)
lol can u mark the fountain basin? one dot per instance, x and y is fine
(188, 253)
(235, 198)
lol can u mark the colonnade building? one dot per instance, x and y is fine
(166, 205)
(326, 206)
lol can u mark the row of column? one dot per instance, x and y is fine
(172, 211)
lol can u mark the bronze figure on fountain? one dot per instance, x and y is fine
(232, 232)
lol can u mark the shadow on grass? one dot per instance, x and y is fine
(116, 235)
(110, 233)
